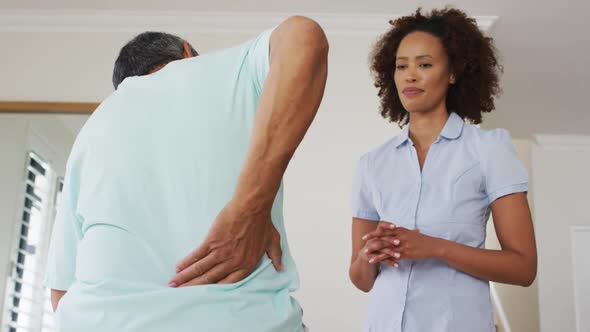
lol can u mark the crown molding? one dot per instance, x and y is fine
(14, 20)
(562, 142)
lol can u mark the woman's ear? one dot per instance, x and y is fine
(452, 79)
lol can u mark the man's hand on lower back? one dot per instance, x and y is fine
(232, 249)
(290, 98)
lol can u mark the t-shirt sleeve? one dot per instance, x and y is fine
(504, 173)
(258, 59)
(362, 202)
(65, 236)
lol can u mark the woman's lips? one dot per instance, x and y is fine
(411, 92)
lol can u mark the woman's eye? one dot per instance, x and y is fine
(426, 65)
(399, 67)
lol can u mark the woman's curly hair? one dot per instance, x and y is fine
(472, 58)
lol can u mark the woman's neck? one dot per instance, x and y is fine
(425, 127)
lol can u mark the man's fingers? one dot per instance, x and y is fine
(274, 251)
(276, 254)
(192, 257)
(217, 273)
(195, 270)
(234, 277)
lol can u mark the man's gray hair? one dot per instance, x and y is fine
(148, 51)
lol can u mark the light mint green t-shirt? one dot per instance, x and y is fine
(146, 178)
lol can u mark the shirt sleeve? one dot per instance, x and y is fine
(362, 202)
(66, 234)
(504, 173)
(258, 59)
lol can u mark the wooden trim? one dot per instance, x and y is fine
(33, 107)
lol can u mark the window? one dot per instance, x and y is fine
(28, 302)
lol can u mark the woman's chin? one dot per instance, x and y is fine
(414, 109)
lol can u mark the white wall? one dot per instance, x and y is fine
(318, 183)
(561, 201)
(77, 67)
(71, 66)
(20, 134)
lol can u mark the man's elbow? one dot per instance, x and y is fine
(304, 32)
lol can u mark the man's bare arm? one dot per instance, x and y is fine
(291, 96)
(289, 102)
(56, 296)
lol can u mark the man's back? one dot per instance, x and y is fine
(146, 178)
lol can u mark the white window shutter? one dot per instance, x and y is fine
(28, 301)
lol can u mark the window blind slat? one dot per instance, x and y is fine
(37, 286)
(30, 305)
(28, 314)
(26, 298)
(25, 269)
(19, 327)
(38, 165)
(32, 198)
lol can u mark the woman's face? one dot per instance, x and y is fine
(422, 74)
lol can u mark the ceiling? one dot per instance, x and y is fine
(544, 46)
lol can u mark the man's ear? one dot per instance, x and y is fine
(186, 50)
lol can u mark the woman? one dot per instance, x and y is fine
(421, 200)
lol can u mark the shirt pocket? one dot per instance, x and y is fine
(468, 194)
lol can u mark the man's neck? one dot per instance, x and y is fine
(156, 68)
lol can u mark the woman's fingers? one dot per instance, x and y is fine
(387, 254)
(383, 228)
(375, 245)
(391, 262)
(391, 240)
(386, 225)
(378, 258)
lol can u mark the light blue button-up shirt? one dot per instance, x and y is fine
(465, 171)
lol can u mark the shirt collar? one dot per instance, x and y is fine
(454, 127)
(452, 130)
(402, 137)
